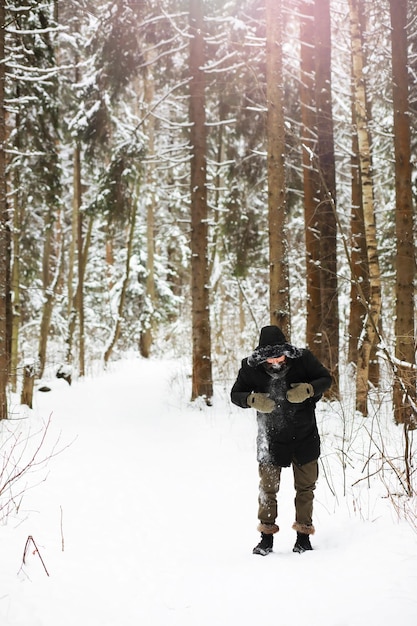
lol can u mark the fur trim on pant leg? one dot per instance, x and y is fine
(268, 529)
(305, 529)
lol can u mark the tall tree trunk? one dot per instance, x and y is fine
(72, 255)
(109, 252)
(329, 327)
(359, 291)
(83, 247)
(78, 250)
(15, 288)
(52, 268)
(370, 330)
(202, 382)
(146, 337)
(4, 360)
(360, 288)
(18, 217)
(311, 182)
(279, 300)
(120, 309)
(82, 252)
(80, 246)
(405, 382)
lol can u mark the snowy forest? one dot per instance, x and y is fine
(174, 175)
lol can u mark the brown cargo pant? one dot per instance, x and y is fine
(305, 478)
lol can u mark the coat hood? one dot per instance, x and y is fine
(272, 344)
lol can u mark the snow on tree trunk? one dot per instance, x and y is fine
(121, 305)
(18, 217)
(359, 293)
(4, 365)
(359, 287)
(80, 245)
(75, 301)
(374, 306)
(311, 182)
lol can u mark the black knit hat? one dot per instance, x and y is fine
(272, 344)
(270, 336)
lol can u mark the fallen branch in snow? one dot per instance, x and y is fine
(30, 540)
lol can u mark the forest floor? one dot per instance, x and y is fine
(144, 512)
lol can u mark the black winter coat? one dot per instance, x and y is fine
(289, 433)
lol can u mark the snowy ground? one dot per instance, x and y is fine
(148, 516)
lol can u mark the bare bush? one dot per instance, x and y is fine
(24, 457)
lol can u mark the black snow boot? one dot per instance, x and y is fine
(264, 547)
(302, 544)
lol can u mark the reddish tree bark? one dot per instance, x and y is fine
(202, 383)
(405, 382)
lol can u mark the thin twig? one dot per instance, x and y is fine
(62, 530)
(36, 551)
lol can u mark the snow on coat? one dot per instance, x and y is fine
(290, 431)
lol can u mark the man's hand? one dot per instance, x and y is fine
(299, 392)
(261, 402)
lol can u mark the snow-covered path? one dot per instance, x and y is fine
(149, 517)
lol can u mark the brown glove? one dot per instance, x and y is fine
(299, 392)
(261, 402)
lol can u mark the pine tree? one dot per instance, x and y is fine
(405, 380)
(278, 249)
(202, 375)
(329, 326)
